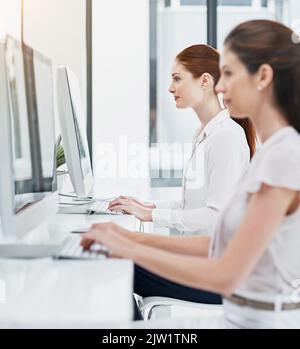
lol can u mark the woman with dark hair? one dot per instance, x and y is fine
(220, 153)
(253, 259)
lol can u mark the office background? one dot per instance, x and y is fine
(122, 53)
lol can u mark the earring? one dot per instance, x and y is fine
(259, 88)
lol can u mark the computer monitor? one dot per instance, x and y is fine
(28, 194)
(73, 132)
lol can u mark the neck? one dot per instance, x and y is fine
(268, 121)
(208, 110)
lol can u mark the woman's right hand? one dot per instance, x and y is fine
(112, 236)
(132, 200)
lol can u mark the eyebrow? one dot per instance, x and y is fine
(175, 74)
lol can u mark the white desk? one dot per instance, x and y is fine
(67, 294)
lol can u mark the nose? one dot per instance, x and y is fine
(171, 89)
(219, 88)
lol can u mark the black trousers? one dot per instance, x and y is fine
(147, 284)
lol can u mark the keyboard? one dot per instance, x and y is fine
(69, 249)
(97, 207)
(100, 207)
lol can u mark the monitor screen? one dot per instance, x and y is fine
(32, 114)
(80, 144)
(73, 130)
(78, 123)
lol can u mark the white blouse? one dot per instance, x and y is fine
(276, 163)
(219, 158)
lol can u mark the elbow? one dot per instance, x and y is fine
(228, 289)
(227, 283)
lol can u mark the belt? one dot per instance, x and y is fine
(245, 302)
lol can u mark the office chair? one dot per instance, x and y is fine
(160, 307)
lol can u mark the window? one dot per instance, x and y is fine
(235, 2)
(193, 2)
(239, 12)
(170, 33)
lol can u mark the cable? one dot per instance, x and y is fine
(67, 196)
(63, 172)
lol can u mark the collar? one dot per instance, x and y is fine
(277, 136)
(213, 124)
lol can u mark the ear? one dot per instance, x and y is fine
(264, 76)
(205, 80)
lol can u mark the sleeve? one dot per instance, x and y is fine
(202, 220)
(279, 167)
(226, 162)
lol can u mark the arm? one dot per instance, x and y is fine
(202, 219)
(265, 212)
(186, 245)
(224, 166)
(140, 210)
(130, 200)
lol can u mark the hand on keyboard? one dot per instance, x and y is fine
(101, 207)
(72, 249)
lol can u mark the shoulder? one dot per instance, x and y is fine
(228, 135)
(285, 152)
(277, 165)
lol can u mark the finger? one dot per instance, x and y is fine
(131, 199)
(98, 226)
(121, 208)
(114, 202)
(86, 241)
(119, 202)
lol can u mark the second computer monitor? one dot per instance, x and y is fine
(28, 194)
(74, 137)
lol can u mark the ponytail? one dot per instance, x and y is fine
(250, 133)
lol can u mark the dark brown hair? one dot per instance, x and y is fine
(200, 59)
(267, 42)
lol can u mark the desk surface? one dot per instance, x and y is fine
(44, 293)
(53, 294)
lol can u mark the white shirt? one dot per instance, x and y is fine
(219, 158)
(276, 163)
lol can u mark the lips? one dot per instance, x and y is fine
(176, 98)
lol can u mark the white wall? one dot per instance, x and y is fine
(10, 17)
(229, 17)
(294, 11)
(120, 86)
(56, 28)
(177, 29)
